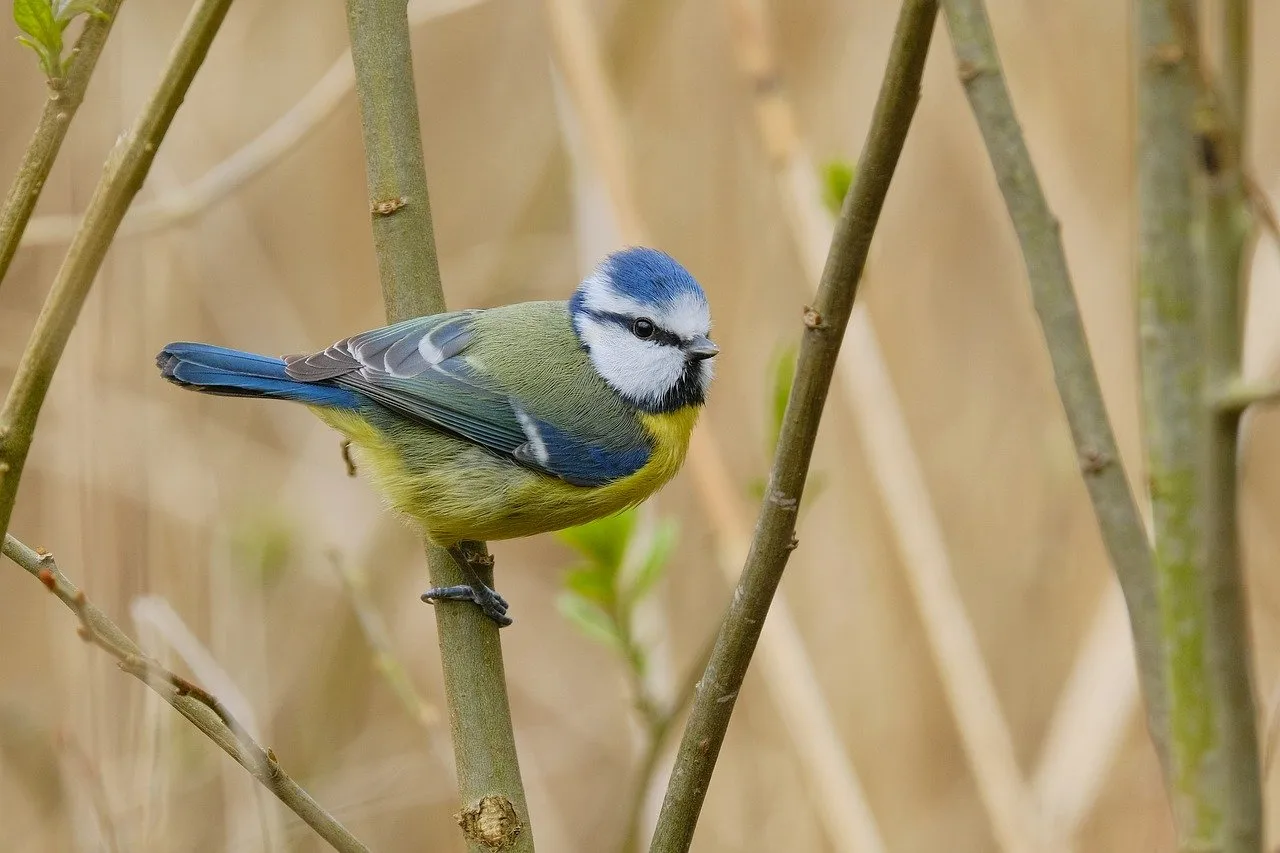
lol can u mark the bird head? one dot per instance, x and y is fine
(644, 322)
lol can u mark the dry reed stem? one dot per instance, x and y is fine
(823, 330)
(205, 711)
(385, 660)
(788, 672)
(175, 206)
(787, 669)
(495, 812)
(985, 733)
(157, 615)
(986, 737)
(65, 96)
(125, 170)
(1090, 720)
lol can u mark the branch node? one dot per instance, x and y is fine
(968, 71)
(493, 822)
(782, 501)
(386, 207)
(1093, 461)
(812, 318)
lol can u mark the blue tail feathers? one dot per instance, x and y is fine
(231, 373)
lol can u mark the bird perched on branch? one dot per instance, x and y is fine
(504, 422)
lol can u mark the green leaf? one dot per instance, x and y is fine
(837, 177)
(592, 583)
(47, 62)
(655, 562)
(43, 34)
(590, 620)
(604, 541)
(34, 17)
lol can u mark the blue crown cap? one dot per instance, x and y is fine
(649, 276)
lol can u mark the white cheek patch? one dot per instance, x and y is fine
(641, 371)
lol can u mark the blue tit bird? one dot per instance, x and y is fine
(509, 421)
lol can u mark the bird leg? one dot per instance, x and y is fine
(471, 562)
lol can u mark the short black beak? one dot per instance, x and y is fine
(701, 347)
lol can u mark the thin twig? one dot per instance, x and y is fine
(203, 709)
(125, 170)
(1238, 395)
(1223, 213)
(495, 812)
(282, 137)
(65, 97)
(824, 326)
(1119, 520)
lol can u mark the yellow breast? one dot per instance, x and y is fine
(475, 495)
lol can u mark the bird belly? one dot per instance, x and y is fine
(454, 490)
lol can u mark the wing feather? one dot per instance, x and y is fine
(419, 369)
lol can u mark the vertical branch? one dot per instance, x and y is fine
(824, 327)
(65, 96)
(1172, 376)
(1038, 231)
(122, 177)
(1223, 212)
(495, 813)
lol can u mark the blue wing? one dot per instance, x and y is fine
(417, 368)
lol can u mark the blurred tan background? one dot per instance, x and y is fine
(204, 526)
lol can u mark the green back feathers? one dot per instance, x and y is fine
(530, 352)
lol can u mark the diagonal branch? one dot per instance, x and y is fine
(495, 813)
(200, 707)
(125, 170)
(65, 97)
(824, 326)
(1039, 235)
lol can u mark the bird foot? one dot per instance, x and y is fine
(490, 602)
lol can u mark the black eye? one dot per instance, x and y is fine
(642, 328)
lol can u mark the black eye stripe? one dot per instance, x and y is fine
(659, 336)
